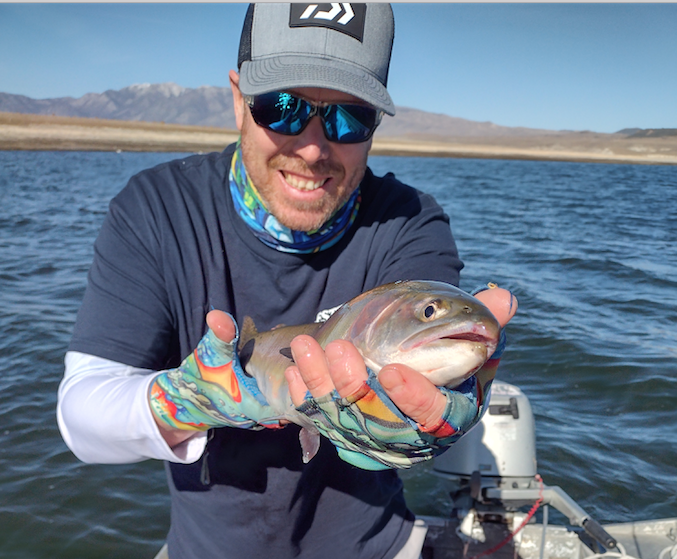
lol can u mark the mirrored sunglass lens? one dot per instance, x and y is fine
(349, 123)
(280, 112)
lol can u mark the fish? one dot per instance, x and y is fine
(433, 327)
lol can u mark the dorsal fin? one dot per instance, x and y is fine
(247, 332)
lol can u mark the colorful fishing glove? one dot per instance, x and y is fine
(210, 389)
(370, 432)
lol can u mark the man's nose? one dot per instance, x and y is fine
(312, 145)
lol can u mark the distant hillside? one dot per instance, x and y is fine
(417, 124)
(653, 132)
(166, 102)
(213, 106)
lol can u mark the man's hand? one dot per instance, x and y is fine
(340, 367)
(209, 388)
(222, 325)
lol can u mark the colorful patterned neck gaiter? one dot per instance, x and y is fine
(252, 210)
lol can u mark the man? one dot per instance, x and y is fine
(282, 227)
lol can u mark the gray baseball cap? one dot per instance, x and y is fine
(344, 46)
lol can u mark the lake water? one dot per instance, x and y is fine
(590, 250)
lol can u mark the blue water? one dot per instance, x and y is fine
(590, 250)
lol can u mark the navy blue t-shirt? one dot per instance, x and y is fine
(172, 248)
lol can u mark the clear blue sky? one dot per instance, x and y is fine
(600, 67)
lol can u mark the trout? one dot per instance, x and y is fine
(433, 327)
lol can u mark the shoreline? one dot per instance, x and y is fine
(30, 132)
(472, 149)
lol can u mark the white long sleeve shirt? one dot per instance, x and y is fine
(104, 415)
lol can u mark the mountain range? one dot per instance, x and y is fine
(213, 106)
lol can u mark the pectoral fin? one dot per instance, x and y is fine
(310, 444)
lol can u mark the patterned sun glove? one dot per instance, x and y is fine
(370, 432)
(210, 389)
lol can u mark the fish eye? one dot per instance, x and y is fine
(431, 310)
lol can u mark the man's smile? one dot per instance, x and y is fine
(300, 183)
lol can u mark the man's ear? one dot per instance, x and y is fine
(238, 100)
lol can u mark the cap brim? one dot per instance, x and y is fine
(289, 72)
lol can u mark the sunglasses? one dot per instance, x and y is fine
(287, 114)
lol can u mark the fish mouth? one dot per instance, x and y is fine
(480, 333)
(447, 355)
(468, 336)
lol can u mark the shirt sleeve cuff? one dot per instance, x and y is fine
(105, 417)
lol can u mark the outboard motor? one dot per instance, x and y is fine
(494, 470)
(502, 447)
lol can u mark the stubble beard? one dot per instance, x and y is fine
(314, 213)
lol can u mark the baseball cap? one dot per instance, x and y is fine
(344, 46)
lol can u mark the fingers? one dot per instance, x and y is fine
(312, 365)
(221, 324)
(346, 367)
(413, 394)
(297, 388)
(339, 366)
(501, 302)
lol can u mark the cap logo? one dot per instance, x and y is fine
(345, 17)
